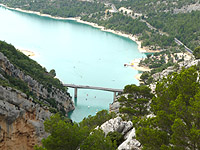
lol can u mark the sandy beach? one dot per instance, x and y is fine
(137, 76)
(27, 52)
(135, 66)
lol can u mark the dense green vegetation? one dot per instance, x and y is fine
(135, 103)
(127, 24)
(185, 26)
(61, 8)
(92, 121)
(176, 108)
(196, 52)
(173, 125)
(153, 6)
(70, 136)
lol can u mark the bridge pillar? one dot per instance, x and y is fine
(75, 92)
(115, 94)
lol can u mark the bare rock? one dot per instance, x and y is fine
(21, 120)
(116, 125)
(130, 143)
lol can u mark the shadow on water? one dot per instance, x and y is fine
(69, 114)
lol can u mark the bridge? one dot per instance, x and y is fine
(76, 87)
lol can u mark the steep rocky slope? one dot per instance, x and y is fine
(21, 120)
(22, 115)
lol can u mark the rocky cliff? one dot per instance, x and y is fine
(22, 115)
(21, 120)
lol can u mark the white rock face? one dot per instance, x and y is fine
(116, 124)
(130, 143)
(114, 107)
(126, 129)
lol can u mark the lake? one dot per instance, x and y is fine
(79, 53)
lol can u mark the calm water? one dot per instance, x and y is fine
(79, 53)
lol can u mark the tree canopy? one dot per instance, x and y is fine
(67, 135)
(176, 108)
(135, 100)
(196, 52)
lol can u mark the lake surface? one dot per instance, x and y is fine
(79, 53)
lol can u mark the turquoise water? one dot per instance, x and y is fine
(79, 53)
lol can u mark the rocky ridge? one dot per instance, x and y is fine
(186, 64)
(188, 8)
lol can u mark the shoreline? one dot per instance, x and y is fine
(77, 19)
(135, 66)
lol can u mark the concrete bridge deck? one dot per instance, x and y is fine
(93, 87)
(76, 87)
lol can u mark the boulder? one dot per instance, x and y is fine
(116, 125)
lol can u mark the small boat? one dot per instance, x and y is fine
(131, 65)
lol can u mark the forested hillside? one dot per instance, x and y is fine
(61, 8)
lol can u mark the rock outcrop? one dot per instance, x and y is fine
(114, 107)
(187, 8)
(21, 120)
(172, 69)
(116, 125)
(126, 129)
(158, 76)
(130, 142)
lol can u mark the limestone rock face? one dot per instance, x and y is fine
(63, 99)
(158, 76)
(116, 124)
(130, 143)
(164, 73)
(126, 129)
(21, 120)
(21, 117)
(114, 107)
